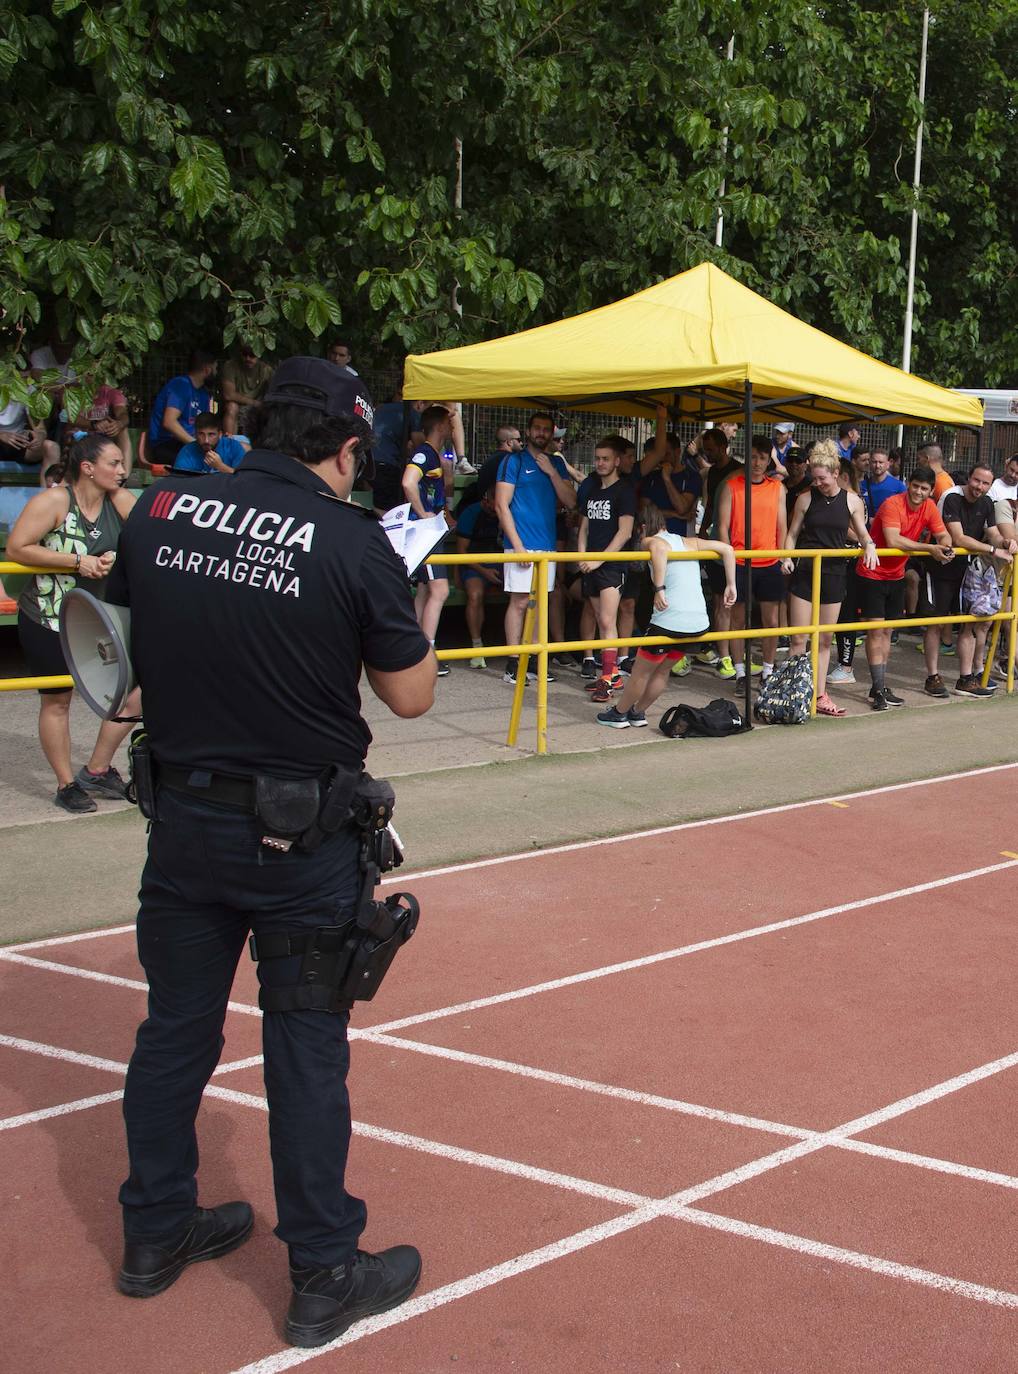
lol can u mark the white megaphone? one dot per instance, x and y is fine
(96, 640)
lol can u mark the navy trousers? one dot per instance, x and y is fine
(207, 883)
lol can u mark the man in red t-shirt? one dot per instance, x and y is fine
(898, 524)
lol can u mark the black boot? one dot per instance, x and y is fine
(327, 1301)
(151, 1266)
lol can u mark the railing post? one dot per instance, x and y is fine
(541, 568)
(1012, 633)
(814, 639)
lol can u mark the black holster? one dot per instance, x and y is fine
(141, 786)
(346, 962)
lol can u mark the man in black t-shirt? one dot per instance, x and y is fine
(255, 602)
(607, 516)
(972, 524)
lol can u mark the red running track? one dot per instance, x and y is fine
(732, 1096)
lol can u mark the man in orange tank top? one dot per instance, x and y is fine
(770, 525)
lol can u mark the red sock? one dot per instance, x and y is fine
(609, 658)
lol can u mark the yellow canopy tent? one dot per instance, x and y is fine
(700, 342)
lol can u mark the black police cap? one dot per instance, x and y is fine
(317, 384)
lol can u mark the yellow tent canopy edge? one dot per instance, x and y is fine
(691, 342)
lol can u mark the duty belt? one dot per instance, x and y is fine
(222, 788)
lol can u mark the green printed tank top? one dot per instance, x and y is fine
(40, 600)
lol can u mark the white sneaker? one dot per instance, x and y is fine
(465, 467)
(478, 662)
(840, 674)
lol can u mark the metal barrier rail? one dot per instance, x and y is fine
(537, 608)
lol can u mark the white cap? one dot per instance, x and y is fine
(784, 428)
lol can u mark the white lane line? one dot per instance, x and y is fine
(397, 879)
(645, 961)
(486, 1278)
(88, 1061)
(816, 1249)
(732, 1178)
(9, 956)
(55, 940)
(63, 1109)
(461, 1288)
(562, 1080)
(933, 1163)
(693, 1109)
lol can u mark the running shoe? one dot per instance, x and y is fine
(478, 662)
(588, 669)
(890, 697)
(682, 666)
(602, 690)
(465, 467)
(615, 682)
(614, 717)
(970, 686)
(725, 667)
(626, 664)
(75, 799)
(934, 687)
(948, 649)
(840, 676)
(108, 784)
(636, 717)
(510, 676)
(878, 701)
(443, 670)
(562, 661)
(708, 659)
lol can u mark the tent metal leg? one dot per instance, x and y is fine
(748, 645)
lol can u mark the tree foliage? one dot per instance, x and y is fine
(271, 171)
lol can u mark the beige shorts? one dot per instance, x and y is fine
(517, 578)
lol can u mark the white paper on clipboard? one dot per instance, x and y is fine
(413, 540)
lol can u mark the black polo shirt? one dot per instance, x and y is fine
(255, 598)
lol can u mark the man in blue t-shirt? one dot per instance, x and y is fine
(211, 450)
(177, 407)
(530, 488)
(879, 484)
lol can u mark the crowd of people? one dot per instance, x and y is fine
(673, 495)
(827, 495)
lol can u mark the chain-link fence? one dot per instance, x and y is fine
(584, 427)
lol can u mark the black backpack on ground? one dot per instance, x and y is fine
(719, 717)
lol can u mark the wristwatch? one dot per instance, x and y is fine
(656, 589)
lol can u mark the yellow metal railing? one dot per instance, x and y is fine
(538, 645)
(535, 635)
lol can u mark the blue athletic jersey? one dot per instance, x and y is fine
(432, 483)
(534, 502)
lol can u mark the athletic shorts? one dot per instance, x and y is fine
(656, 652)
(466, 573)
(387, 486)
(429, 572)
(633, 585)
(943, 587)
(717, 579)
(832, 584)
(516, 578)
(43, 655)
(165, 452)
(768, 583)
(607, 575)
(881, 600)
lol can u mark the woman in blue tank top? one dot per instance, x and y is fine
(679, 611)
(73, 530)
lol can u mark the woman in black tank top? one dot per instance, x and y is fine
(71, 531)
(821, 519)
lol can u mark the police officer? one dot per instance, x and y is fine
(256, 597)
